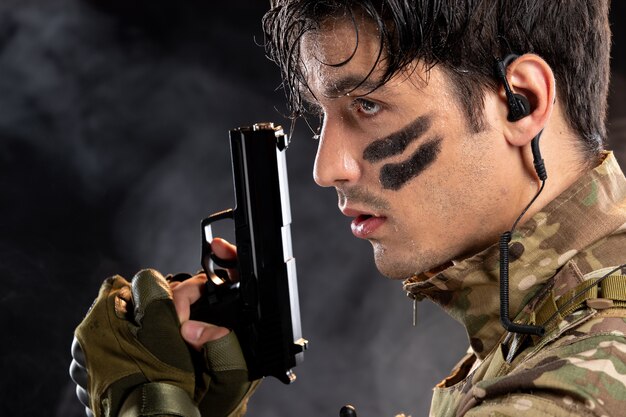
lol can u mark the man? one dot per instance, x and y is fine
(436, 118)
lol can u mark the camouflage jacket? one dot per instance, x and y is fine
(578, 368)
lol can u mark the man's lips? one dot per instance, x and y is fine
(364, 224)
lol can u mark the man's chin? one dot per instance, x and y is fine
(394, 269)
(401, 269)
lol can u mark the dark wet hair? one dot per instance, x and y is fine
(464, 37)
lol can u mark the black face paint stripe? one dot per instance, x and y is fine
(397, 142)
(394, 176)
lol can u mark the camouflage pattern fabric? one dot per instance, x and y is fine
(578, 368)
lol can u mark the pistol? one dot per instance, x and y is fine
(262, 307)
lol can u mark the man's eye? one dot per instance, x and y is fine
(367, 107)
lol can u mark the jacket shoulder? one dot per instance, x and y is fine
(581, 373)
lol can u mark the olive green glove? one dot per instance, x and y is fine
(130, 360)
(130, 342)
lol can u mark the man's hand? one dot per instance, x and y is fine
(129, 346)
(222, 365)
(131, 359)
(197, 333)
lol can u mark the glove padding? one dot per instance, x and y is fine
(129, 358)
(224, 378)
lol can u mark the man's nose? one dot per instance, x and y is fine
(337, 160)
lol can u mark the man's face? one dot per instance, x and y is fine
(421, 187)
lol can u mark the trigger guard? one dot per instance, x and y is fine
(217, 276)
(208, 258)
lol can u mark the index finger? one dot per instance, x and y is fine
(223, 249)
(186, 293)
(228, 252)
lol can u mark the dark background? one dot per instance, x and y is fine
(113, 146)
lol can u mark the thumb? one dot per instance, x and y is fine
(197, 333)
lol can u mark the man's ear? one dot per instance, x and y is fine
(532, 77)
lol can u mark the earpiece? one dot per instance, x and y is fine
(519, 107)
